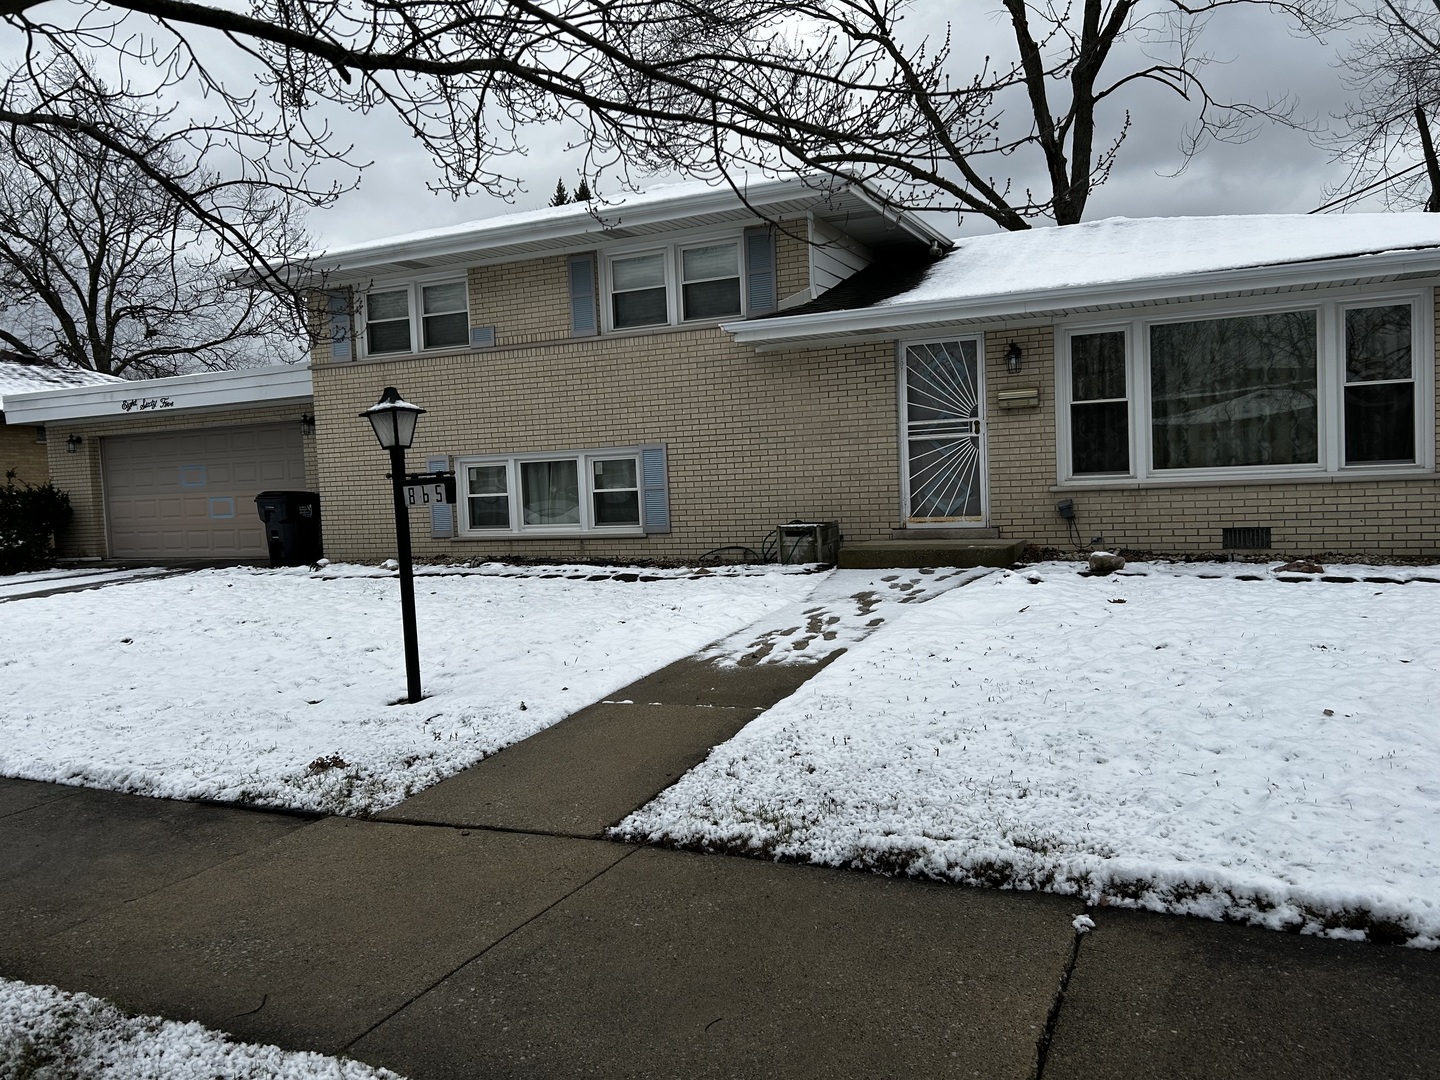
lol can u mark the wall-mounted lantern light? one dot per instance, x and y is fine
(307, 424)
(393, 419)
(73, 444)
(1012, 359)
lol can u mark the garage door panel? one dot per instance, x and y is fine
(192, 494)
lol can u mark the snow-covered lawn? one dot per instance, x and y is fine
(45, 1032)
(1177, 738)
(273, 687)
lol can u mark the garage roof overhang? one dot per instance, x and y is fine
(211, 389)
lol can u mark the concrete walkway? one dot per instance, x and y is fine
(482, 930)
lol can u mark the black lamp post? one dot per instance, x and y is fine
(393, 419)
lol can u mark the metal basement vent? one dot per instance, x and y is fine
(1252, 537)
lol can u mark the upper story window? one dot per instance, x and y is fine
(416, 317)
(710, 281)
(1326, 387)
(638, 295)
(674, 284)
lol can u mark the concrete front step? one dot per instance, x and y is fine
(872, 554)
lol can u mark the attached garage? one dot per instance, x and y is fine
(191, 494)
(167, 470)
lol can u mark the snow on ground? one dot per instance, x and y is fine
(49, 1032)
(1178, 738)
(272, 687)
(16, 586)
(845, 608)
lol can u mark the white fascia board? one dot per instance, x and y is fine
(582, 225)
(583, 222)
(783, 331)
(210, 389)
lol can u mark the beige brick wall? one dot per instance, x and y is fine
(752, 440)
(792, 258)
(21, 453)
(1361, 517)
(81, 474)
(526, 302)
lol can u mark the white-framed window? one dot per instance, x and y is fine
(1280, 388)
(416, 317)
(639, 290)
(710, 281)
(677, 283)
(568, 493)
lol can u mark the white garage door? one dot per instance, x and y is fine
(191, 494)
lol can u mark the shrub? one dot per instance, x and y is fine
(31, 518)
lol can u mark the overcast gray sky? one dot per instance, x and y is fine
(1278, 171)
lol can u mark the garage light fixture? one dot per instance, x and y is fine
(307, 424)
(73, 443)
(393, 419)
(1012, 359)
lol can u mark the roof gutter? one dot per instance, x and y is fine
(781, 331)
(598, 220)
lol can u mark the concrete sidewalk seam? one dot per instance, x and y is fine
(500, 940)
(1052, 1018)
(426, 823)
(28, 809)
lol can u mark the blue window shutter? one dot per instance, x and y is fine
(584, 316)
(442, 518)
(759, 271)
(337, 306)
(655, 489)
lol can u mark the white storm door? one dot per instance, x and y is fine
(943, 438)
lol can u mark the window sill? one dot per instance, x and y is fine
(607, 534)
(1351, 476)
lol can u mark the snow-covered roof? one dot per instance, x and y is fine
(1127, 260)
(24, 378)
(662, 208)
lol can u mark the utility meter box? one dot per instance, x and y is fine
(808, 542)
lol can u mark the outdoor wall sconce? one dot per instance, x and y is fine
(40, 434)
(394, 419)
(1012, 359)
(307, 424)
(73, 443)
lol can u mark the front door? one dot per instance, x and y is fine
(944, 448)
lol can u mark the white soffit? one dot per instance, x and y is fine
(210, 389)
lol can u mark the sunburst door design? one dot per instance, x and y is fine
(945, 467)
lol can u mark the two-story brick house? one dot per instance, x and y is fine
(687, 369)
(577, 377)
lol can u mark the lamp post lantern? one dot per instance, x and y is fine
(393, 419)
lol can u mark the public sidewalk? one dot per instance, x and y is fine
(482, 929)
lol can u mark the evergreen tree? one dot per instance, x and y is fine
(582, 191)
(561, 196)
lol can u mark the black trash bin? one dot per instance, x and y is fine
(292, 526)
